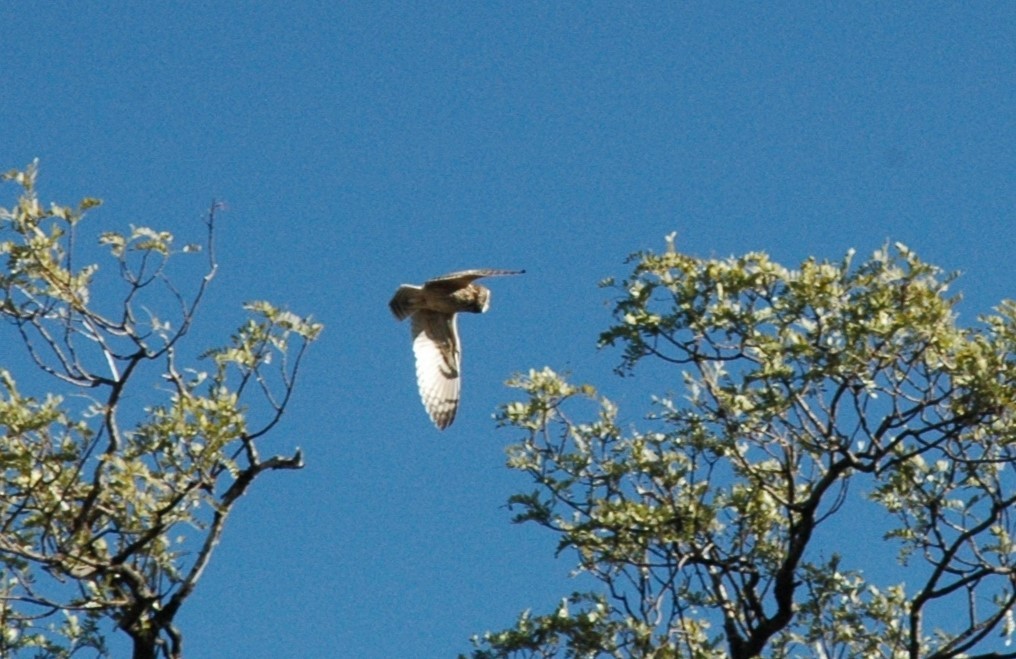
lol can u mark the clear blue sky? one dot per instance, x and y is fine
(363, 145)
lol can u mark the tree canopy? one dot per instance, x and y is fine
(116, 484)
(797, 410)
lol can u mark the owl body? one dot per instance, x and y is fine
(472, 298)
(432, 308)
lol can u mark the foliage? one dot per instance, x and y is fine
(814, 404)
(109, 513)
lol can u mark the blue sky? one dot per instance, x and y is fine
(359, 146)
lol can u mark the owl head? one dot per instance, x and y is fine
(471, 299)
(480, 299)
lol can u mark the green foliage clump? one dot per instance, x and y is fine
(110, 514)
(802, 393)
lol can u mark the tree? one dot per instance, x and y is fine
(812, 405)
(114, 494)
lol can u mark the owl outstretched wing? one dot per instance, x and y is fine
(465, 277)
(438, 362)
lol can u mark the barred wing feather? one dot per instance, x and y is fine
(438, 360)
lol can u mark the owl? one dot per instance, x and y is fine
(432, 309)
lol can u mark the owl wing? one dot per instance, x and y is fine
(436, 346)
(465, 277)
(405, 300)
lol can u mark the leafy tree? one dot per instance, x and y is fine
(114, 494)
(811, 405)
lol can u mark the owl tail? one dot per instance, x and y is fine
(405, 301)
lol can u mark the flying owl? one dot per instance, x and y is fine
(432, 308)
